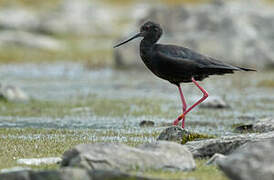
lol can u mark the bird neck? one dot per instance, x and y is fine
(152, 38)
(146, 44)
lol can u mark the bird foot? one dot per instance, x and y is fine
(175, 123)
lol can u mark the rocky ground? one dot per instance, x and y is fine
(132, 109)
(66, 113)
(246, 156)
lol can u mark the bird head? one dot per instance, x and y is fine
(150, 31)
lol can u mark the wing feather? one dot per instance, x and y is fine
(185, 56)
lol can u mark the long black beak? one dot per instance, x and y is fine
(136, 36)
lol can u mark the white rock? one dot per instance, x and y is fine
(13, 93)
(39, 161)
(216, 157)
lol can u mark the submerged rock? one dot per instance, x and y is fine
(253, 162)
(12, 93)
(159, 155)
(180, 135)
(70, 174)
(224, 145)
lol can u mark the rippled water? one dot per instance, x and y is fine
(58, 82)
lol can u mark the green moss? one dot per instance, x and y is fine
(266, 83)
(195, 136)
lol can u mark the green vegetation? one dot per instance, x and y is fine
(98, 106)
(18, 143)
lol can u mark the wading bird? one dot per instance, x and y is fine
(177, 64)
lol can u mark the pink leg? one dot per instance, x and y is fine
(184, 107)
(197, 103)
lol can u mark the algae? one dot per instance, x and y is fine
(189, 136)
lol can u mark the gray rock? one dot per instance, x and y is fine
(261, 126)
(158, 155)
(12, 93)
(70, 174)
(216, 157)
(39, 161)
(114, 175)
(30, 40)
(237, 32)
(214, 102)
(253, 162)
(224, 145)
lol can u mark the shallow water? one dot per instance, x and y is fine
(62, 82)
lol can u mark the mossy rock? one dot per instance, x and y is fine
(180, 135)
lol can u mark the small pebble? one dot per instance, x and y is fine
(146, 123)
